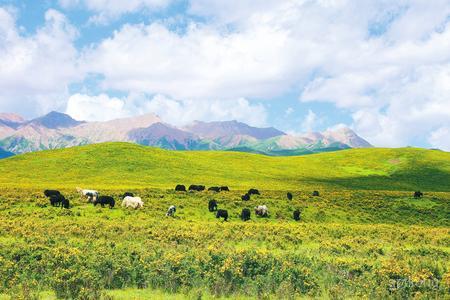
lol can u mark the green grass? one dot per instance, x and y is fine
(125, 165)
(350, 243)
(365, 236)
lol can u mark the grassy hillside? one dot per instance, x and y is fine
(128, 165)
(348, 245)
(364, 237)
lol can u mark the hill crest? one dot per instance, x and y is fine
(131, 165)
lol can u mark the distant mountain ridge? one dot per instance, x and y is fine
(57, 130)
(55, 120)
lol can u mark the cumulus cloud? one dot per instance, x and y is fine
(440, 138)
(288, 111)
(96, 108)
(199, 64)
(106, 10)
(177, 112)
(35, 70)
(310, 122)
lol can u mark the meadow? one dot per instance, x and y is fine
(364, 237)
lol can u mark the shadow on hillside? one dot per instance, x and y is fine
(424, 179)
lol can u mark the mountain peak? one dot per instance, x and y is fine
(54, 120)
(221, 129)
(164, 135)
(12, 118)
(58, 130)
(347, 136)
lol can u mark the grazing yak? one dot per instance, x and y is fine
(91, 195)
(296, 215)
(224, 189)
(198, 188)
(418, 194)
(262, 211)
(253, 192)
(133, 202)
(245, 197)
(315, 194)
(289, 195)
(212, 205)
(105, 200)
(171, 211)
(180, 188)
(214, 189)
(245, 214)
(49, 193)
(127, 194)
(222, 213)
(65, 203)
(55, 200)
(59, 200)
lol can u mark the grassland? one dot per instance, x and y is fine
(124, 165)
(364, 237)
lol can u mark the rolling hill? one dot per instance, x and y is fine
(123, 165)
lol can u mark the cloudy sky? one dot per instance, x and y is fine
(380, 67)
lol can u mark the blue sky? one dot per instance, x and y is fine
(379, 67)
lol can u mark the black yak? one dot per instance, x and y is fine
(105, 200)
(180, 188)
(222, 213)
(245, 197)
(55, 200)
(315, 194)
(296, 215)
(289, 196)
(245, 214)
(65, 203)
(59, 200)
(224, 189)
(418, 194)
(253, 192)
(49, 193)
(198, 188)
(212, 205)
(214, 189)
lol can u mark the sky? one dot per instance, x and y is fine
(380, 67)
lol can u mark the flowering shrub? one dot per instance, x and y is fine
(358, 247)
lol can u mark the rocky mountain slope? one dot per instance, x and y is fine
(57, 130)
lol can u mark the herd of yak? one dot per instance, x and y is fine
(129, 200)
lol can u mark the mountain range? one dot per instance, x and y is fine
(57, 130)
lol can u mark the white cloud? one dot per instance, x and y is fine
(106, 10)
(35, 70)
(103, 107)
(184, 112)
(440, 138)
(96, 108)
(288, 111)
(396, 84)
(310, 122)
(200, 64)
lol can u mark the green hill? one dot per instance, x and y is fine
(120, 165)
